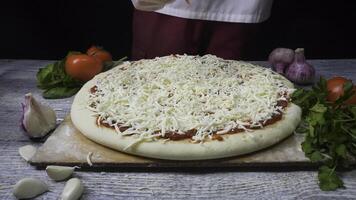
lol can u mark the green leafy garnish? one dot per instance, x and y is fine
(328, 179)
(60, 92)
(330, 131)
(56, 83)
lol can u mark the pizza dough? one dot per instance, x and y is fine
(232, 144)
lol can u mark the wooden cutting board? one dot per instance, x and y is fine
(67, 146)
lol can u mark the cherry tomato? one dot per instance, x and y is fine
(99, 53)
(92, 50)
(335, 87)
(82, 66)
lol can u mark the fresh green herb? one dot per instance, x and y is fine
(57, 84)
(60, 92)
(330, 131)
(328, 180)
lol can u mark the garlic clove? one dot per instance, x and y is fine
(38, 119)
(59, 173)
(29, 188)
(72, 190)
(27, 151)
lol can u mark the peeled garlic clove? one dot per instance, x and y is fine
(27, 151)
(37, 119)
(72, 190)
(59, 173)
(29, 188)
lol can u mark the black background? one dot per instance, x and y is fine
(48, 29)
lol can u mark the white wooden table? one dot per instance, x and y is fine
(17, 77)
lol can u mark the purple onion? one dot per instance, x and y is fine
(300, 71)
(280, 58)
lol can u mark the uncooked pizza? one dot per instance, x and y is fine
(183, 107)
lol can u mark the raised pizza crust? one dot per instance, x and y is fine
(232, 144)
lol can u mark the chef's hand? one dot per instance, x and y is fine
(150, 5)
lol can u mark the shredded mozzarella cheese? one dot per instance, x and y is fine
(180, 93)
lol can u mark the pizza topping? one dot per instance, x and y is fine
(168, 97)
(172, 135)
(93, 90)
(217, 137)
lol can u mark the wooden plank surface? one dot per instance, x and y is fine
(17, 77)
(67, 146)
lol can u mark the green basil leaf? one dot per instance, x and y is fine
(68, 81)
(45, 76)
(60, 92)
(51, 75)
(56, 83)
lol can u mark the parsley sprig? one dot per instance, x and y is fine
(330, 131)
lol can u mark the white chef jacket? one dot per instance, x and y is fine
(243, 11)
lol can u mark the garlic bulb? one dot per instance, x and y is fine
(38, 119)
(300, 71)
(29, 187)
(280, 58)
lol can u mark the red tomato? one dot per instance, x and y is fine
(82, 66)
(335, 87)
(99, 53)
